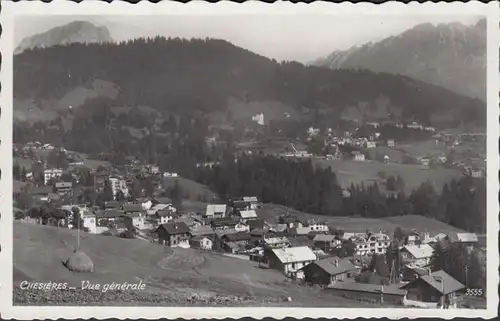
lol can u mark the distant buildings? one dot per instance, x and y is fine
(391, 143)
(259, 119)
(358, 156)
(371, 144)
(118, 184)
(370, 244)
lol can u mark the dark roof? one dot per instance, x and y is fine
(109, 214)
(300, 241)
(240, 204)
(257, 232)
(132, 207)
(111, 204)
(40, 190)
(256, 223)
(440, 281)
(240, 236)
(175, 228)
(202, 230)
(329, 265)
(224, 221)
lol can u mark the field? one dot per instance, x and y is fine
(271, 212)
(172, 276)
(365, 172)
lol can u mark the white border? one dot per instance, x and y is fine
(10, 9)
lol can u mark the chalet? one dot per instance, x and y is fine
(419, 255)
(188, 220)
(304, 230)
(202, 243)
(255, 224)
(290, 221)
(107, 216)
(235, 242)
(248, 215)
(470, 240)
(426, 161)
(276, 242)
(216, 210)
(329, 270)
(253, 201)
(371, 144)
(132, 208)
(290, 260)
(63, 188)
(326, 242)
(203, 230)
(358, 156)
(318, 226)
(390, 294)
(173, 234)
(161, 207)
(434, 290)
(135, 219)
(224, 223)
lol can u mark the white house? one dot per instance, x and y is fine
(90, 222)
(358, 156)
(318, 227)
(371, 144)
(248, 215)
(50, 173)
(291, 259)
(216, 210)
(118, 184)
(201, 242)
(254, 201)
(391, 143)
(419, 255)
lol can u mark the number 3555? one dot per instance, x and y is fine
(474, 292)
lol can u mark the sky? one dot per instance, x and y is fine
(301, 38)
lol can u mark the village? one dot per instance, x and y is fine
(314, 252)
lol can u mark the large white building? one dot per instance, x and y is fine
(51, 173)
(118, 184)
(373, 244)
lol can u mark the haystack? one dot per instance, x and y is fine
(79, 262)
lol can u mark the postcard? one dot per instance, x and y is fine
(249, 160)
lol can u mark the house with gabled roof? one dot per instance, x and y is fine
(216, 210)
(173, 234)
(326, 241)
(132, 208)
(419, 255)
(248, 215)
(329, 270)
(290, 260)
(433, 290)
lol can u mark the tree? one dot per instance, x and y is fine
(438, 258)
(119, 196)
(16, 172)
(107, 191)
(23, 174)
(135, 190)
(347, 249)
(76, 219)
(23, 200)
(379, 265)
(399, 235)
(176, 195)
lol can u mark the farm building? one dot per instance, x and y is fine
(203, 230)
(248, 215)
(329, 270)
(431, 290)
(419, 255)
(216, 210)
(173, 234)
(201, 242)
(326, 242)
(391, 294)
(290, 260)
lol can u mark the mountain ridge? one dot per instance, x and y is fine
(76, 31)
(201, 75)
(448, 55)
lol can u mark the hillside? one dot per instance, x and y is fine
(173, 277)
(271, 213)
(448, 55)
(206, 76)
(77, 31)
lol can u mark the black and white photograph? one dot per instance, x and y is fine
(253, 160)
